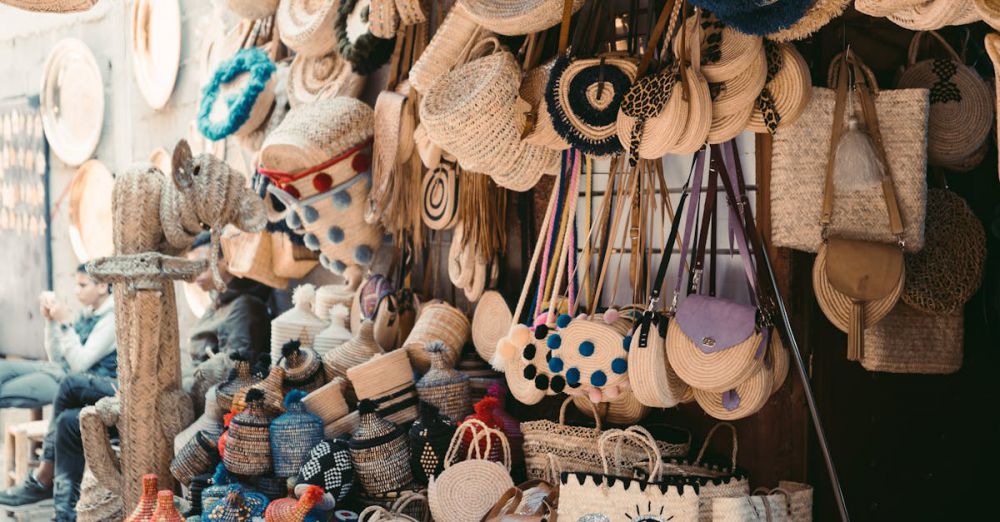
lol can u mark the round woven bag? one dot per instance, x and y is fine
(725, 52)
(935, 14)
(884, 7)
(355, 41)
(311, 78)
(735, 94)
(989, 11)
(444, 51)
(490, 323)
(467, 489)
(653, 382)
(699, 110)
(787, 92)
(962, 106)
(747, 398)
(717, 371)
(625, 410)
(517, 17)
(306, 26)
(942, 277)
(837, 306)
(439, 197)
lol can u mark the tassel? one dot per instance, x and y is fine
(856, 332)
(856, 165)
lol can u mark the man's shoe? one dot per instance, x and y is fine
(27, 493)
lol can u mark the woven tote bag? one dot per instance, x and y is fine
(911, 341)
(713, 479)
(598, 496)
(467, 489)
(799, 160)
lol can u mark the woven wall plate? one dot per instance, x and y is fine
(90, 211)
(942, 277)
(72, 101)
(156, 48)
(490, 323)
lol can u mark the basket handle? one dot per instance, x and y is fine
(914, 50)
(637, 434)
(593, 409)
(405, 499)
(833, 73)
(456, 439)
(489, 433)
(708, 438)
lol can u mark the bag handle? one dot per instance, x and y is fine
(708, 438)
(850, 63)
(914, 50)
(456, 439)
(405, 499)
(593, 409)
(639, 435)
(668, 13)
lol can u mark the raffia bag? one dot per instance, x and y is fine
(467, 489)
(910, 341)
(456, 33)
(799, 160)
(713, 480)
(962, 106)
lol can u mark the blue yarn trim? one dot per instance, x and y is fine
(253, 61)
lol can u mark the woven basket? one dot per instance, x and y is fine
(334, 335)
(342, 426)
(438, 321)
(294, 510)
(357, 350)
(248, 447)
(238, 504)
(253, 9)
(329, 467)
(935, 14)
(408, 504)
(788, 89)
(713, 480)
(293, 434)
(910, 341)
(387, 380)
(653, 382)
(299, 323)
(271, 486)
(962, 106)
(445, 50)
(443, 386)
(379, 452)
(328, 402)
(801, 498)
(467, 489)
(198, 456)
(303, 367)
(272, 389)
(248, 255)
(517, 18)
(290, 259)
(306, 26)
(240, 378)
(430, 437)
(147, 502)
(942, 277)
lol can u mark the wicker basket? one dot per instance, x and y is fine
(409, 502)
(342, 426)
(294, 510)
(271, 486)
(303, 368)
(380, 452)
(328, 401)
(443, 386)
(329, 467)
(356, 351)
(198, 456)
(468, 488)
(240, 378)
(438, 321)
(444, 51)
(298, 323)
(713, 480)
(238, 504)
(271, 387)
(430, 436)
(387, 380)
(293, 434)
(248, 446)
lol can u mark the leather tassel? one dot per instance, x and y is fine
(856, 332)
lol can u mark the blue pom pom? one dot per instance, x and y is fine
(324, 261)
(598, 378)
(292, 220)
(627, 342)
(573, 376)
(335, 234)
(260, 67)
(586, 348)
(363, 254)
(554, 342)
(311, 241)
(310, 214)
(338, 266)
(563, 320)
(619, 365)
(293, 397)
(342, 200)
(555, 365)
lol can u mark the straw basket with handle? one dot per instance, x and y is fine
(467, 489)
(713, 480)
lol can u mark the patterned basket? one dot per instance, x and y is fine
(239, 378)
(387, 380)
(293, 435)
(193, 492)
(329, 467)
(218, 486)
(380, 452)
(429, 439)
(444, 386)
(239, 505)
(303, 368)
(248, 447)
(714, 480)
(294, 510)
(198, 456)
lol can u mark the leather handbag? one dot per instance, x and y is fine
(858, 281)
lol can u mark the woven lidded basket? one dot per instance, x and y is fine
(380, 452)
(430, 436)
(329, 467)
(962, 106)
(438, 321)
(248, 445)
(443, 386)
(336, 334)
(293, 434)
(303, 368)
(240, 377)
(387, 380)
(294, 510)
(299, 323)
(328, 402)
(198, 456)
(358, 350)
(273, 402)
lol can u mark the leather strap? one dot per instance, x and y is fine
(655, 35)
(851, 64)
(567, 18)
(697, 178)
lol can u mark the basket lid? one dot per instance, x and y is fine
(373, 430)
(441, 373)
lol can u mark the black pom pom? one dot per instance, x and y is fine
(541, 332)
(254, 395)
(542, 381)
(237, 356)
(367, 406)
(290, 347)
(529, 352)
(557, 383)
(530, 371)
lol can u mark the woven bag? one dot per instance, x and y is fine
(387, 380)
(623, 410)
(935, 14)
(298, 323)
(457, 32)
(303, 367)
(443, 386)
(293, 434)
(799, 160)
(910, 341)
(466, 489)
(328, 402)
(600, 495)
(713, 480)
(430, 436)
(490, 322)
(380, 452)
(198, 456)
(248, 446)
(253, 9)
(962, 106)
(438, 321)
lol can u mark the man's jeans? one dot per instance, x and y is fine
(29, 384)
(63, 443)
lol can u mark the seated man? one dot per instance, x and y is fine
(86, 344)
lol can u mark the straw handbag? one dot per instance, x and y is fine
(713, 479)
(935, 14)
(800, 158)
(911, 341)
(857, 281)
(962, 106)
(790, 501)
(438, 321)
(253, 9)
(597, 496)
(467, 489)
(456, 33)
(307, 27)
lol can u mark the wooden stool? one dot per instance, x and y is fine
(21, 445)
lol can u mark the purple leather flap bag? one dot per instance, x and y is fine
(713, 323)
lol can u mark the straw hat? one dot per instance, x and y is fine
(935, 14)
(355, 41)
(306, 26)
(52, 6)
(989, 10)
(820, 14)
(90, 211)
(72, 101)
(325, 76)
(253, 9)
(837, 306)
(156, 48)
(756, 17)
(299, 323)
(716, 371)
(490, 323)
(962, 106)
(516, 17)
(788, 89)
